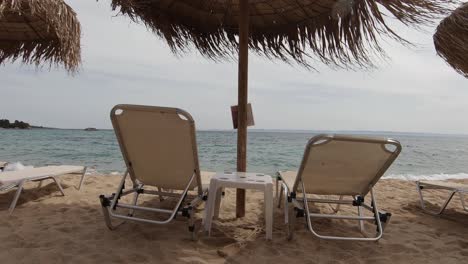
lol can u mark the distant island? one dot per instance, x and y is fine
(5, 123)
(90, 129)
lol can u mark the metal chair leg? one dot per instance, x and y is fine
(58, 185)
(291, 221)
(289, 216)
(280, 196)
(105, 211)
(191, 224)
(161, 198)
(277, 187)
(131, 212)
(361, 222)
(16, 197)
(462, 198)
(375, 218)
(335, 210)
(423, 206)
(82, 178)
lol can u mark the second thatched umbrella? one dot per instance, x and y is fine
(451, 39)
(37, 32)
(341, 33)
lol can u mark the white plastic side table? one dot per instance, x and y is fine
(240, 180)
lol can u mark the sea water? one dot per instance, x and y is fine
(424, 156)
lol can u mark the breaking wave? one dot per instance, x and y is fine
(434, 177)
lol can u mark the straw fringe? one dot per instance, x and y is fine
(451, 39)
(61, 43)
(342, 33)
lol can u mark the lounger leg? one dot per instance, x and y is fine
(376, 218)
(462, 198)
(285, 192)
(119, 189)
(131, 212)
(335, 210)
(110, 205)
(161, 198)
(105, 212)
(277, 186)
(280, 197)
(106, 207)
(423, 206)
(377, 215)
(58, 185)
(16, 197)
(191, 223)
(268, 200)
(289, 210)
(82, 178)
(361, 222)
(289, 217)
(307, 211)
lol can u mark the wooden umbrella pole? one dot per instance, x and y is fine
(242, 101)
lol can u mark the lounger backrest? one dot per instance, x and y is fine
(345, 165)
(158, 145)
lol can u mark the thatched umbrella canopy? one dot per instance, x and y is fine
(343, 33)
(39, 31)
(337, 32)
(451, 39)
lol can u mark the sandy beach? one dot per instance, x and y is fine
(49, 228)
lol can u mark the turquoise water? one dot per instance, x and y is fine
(423, 156)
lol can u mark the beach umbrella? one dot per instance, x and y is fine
(338, 33)
(39, 31)
(451, 39)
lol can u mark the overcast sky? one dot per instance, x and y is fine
(125, 63)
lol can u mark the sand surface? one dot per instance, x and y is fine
(49, 228)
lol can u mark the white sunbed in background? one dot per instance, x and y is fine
(17, 179)
(2, 165)
(452, 187)
(341, 165)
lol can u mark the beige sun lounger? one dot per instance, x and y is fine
(452, 187)
(159, 148)
(17, 179)
(345, 166)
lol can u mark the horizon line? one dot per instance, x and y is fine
(295, 130)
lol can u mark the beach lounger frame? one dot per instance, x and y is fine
(453, 189)
(52, 175)
(300, 205)
(186, 202)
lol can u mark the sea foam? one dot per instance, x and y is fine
(432, 177)
(15, 166)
